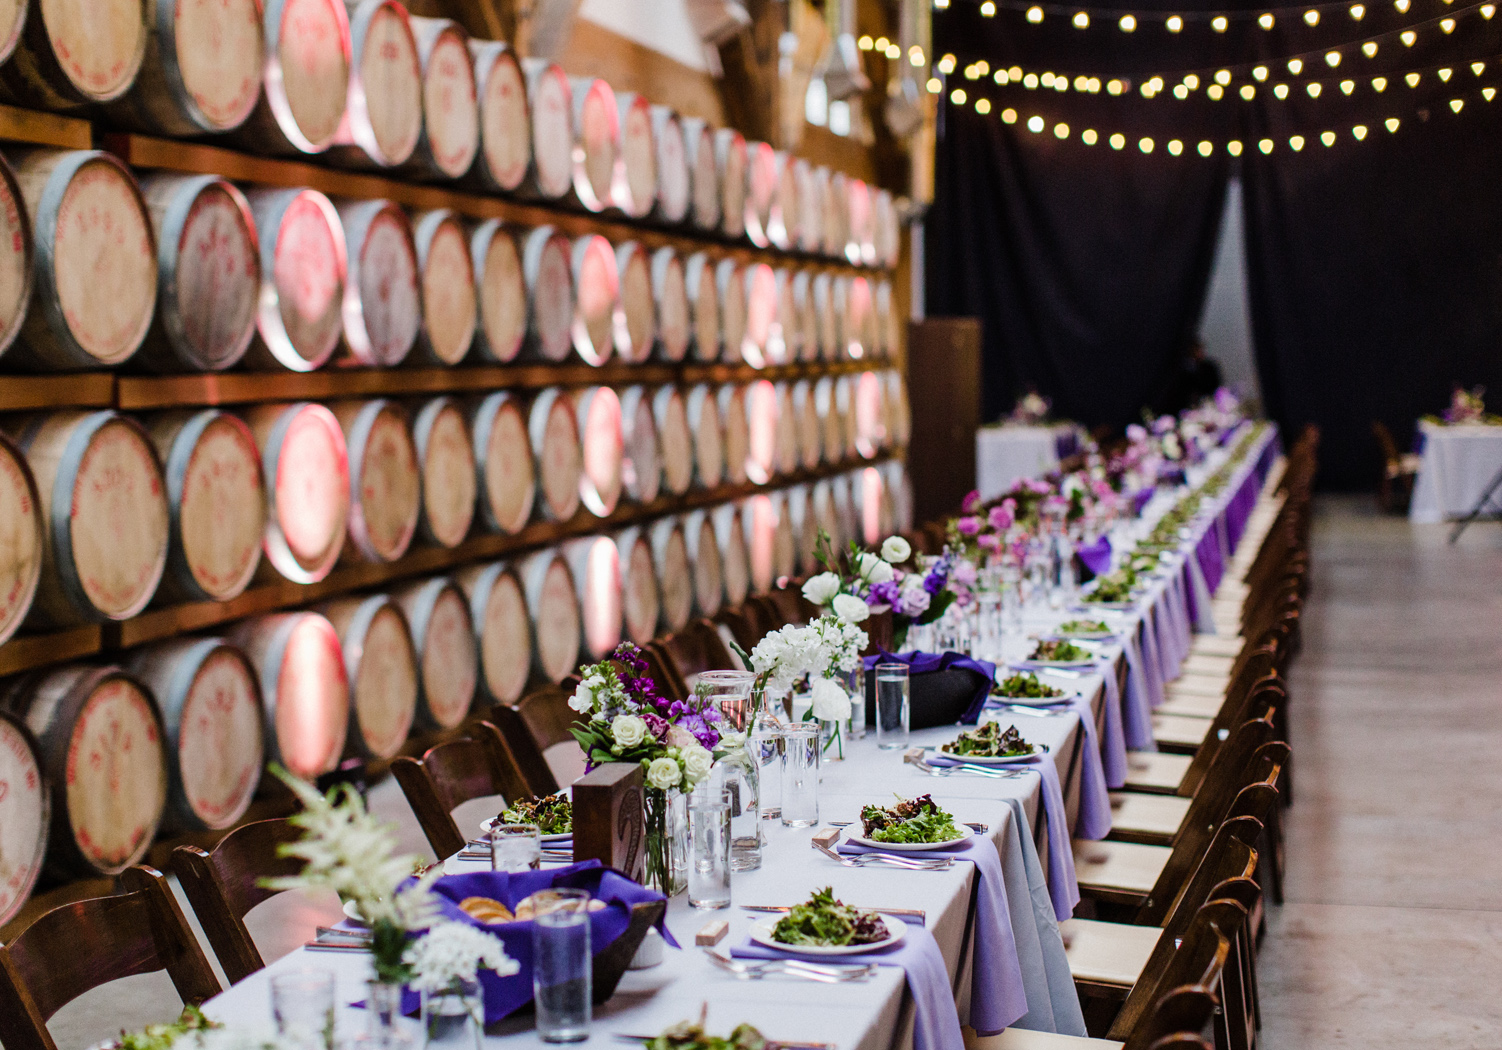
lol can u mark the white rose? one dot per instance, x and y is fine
(681, 738)
(628, 730)
(583, 699)
(696, 763)
(830, 701)
(663, 773)
(865, 564)
(896, 549)
(850, 608)
(821, 588)
(881, 572)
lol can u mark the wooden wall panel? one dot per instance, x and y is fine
(943, 356)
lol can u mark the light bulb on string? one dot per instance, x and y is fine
(865, 43)
(946, 64)
(1359, 131)
(893, 52)
(1114, 87)
(983, 106)
(1487, 10)
(1456, 103)
(1175, 147)
(915, 55)
(1266, 21)
(1205, 148)
(1332, 58)
(1174, 23)
(1313, 87)
(1266, 145)
(881, 43)
(1094, 86)
(1035, 124)
(1001, 77)
(1009, 116)
(957, 96)
(1216, 92)
(1118, 140)
(1412, 79)
(1192, 82)
(1327, 137)
(982, 66)
(987, 9)
(1030, 81)
(1248, 92)
(1061, 83)
(1295, 66)
(1088, 136)
(1445, 75)
(1127, 23)
(1280, 90)
(1223, 76)
(1296, 142)
(1061, 131)
(1046, 80)
(971, 72)
(1478, 67)
(1358, 12)
(1401, 5)
(1035, 15)
(1220, 23)
(1082, 83)
(1447, 25)
(1015, 72)
(1180, 91)
(1488, 93)
(1081, 20)
(1369, 49)
(1260, 73)
(1347, 86)
(1379, 84)
(942, 5)
(1408, 37)
(935, 85)
(1392, 124)
(1234, 148)
(1145, 144)
(1311, 16)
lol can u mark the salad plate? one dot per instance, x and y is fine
(990, 744)
(987, 760)
(763, 933)
(565, 836)
(914, 847)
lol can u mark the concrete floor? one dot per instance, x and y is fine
(1391, 936)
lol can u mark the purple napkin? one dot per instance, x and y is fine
(504, 995)
(936, 1026)
(925, 663)
(998, 994)
(1062, 887)
(1097, 555)
(1141, 499)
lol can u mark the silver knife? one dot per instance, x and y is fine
(912, 913)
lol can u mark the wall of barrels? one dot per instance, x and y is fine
(356, 375)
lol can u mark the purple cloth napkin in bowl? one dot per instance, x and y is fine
(998, 993)
(936, 1026)
(1097, 555)
(926, 663)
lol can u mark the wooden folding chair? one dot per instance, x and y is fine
(791, 606)
(535, 723)
(78, 947)
(688, 653)
(451, 774)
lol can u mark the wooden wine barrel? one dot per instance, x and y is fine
(762, 412)
(209, 263)
(104, 513)
(382, 307)
(902, 495)
(16, 260)
(788, 319)
(503, 632)
(553, 428)
(674, 182)
(503, 461)
(449, 306)
(731, 164)
(870, 506)
(554, 608)
(449, 658)
(306, 465)
(804, 526)
(381, 665)
(886, 229)
(675, 319)
(547, 269)
(638, 305)
(784, 541)
(730, 283)
(761, 193)
(704, 173)
(815, 209)
(837, 217)
(869, 408)
(760, 519)
(786, 211)
(675, 574)
(446, 453)
(99, 736)
(675, 439)
(805, 317)
(303, 273)
(862, 249)
(602, 439)
(25, 813)
(704, 305)
(636, 184)
(763, 343)
(60, 56)
(550, 98)
(21, 540)
(216, 495)
(641, 465)
(827, 318)
(843, 502)
(383, 120)
(882, 329)
(201, 73)
(385, 485)
(703, 411)
(595, 562)
(899, 415)
(704, 556)
(860, 318)
(505, 129)
(806, 422)
(597, 142)
(821, 506)
(299, 664)
(597, 300)
(211, 708)
(844, 410)
(831, 428)
(450, 100)
(94, 276)
(730, 537)
(500, 291)
(308, 61)
(641, 606)
(786, 458)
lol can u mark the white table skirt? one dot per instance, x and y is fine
(1003, 454)
(1456, 465)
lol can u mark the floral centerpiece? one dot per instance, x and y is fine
(627, 720)
(1031, 409)
(1467, 406)
(824, 652)
(857, 583)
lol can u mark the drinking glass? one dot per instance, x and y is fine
(800, 774)
(709, 848)
(765, 748)
(515, 847)
(730, 692)
(988, 625)
(561, 968)
(892, 706)
(857, 684)
(303, 1004)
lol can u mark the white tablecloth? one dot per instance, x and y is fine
(1456, 465)
(1005, 453)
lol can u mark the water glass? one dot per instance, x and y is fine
(709, 848)
(730, 693)
(765, 747)
(857, 684)
(515, 847)
(561, 966)
(303, 1004)
(800, 775)
(988, 625)
(892, 706)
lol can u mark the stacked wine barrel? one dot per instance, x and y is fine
(720, 316)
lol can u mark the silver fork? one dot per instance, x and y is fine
(860, 860)
(916, 760)
(792, 968)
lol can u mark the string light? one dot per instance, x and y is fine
(1114, 87)
(1035, 15)
(1408, 38)
(1392, 124)
(1312, 17)
(1088, 136)
(1220, 23)
(1332, 58)
(864, 43)
(1233, 148)
(1327, 137)
(1081, 20)
(881, 43)
(1030, 81)
(1145, 144)
(1128, 23)
(1313, 87)
(1447, 25)
(1206, 148)
(1180, 91)
(987, 9)
(982, 66)
(1035, 124)
(1487, 10)
(1477, 67)
(893, 52)
(1174, 23)
(1266, 145)
(1412, 79)
(1192, 82)
(1369, 49)
(1488, 93)
(1118, 140)
(1248, 92)
(942, 5)
(983, 106)
(1009, 116)
(1267, 21)
(1296, 142)
(1001, 77)
(957, 96)
(1401, 5)
(1358, 12)
(946, 64)
(971, 73)
(1175, 147)
(1445, 75)
(1347, 86)
(915, 55)
(1295, 66)
(1061, 131)
(1360, 132)
(935, 85)
(1216, 92)
(1379, 84)
(1456, 103)
(1281, 91)
(1260, 73)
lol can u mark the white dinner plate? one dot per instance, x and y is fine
(352, 913)
(1065, 664)
(1033, 701)
(989, 760)
(1093, 636)
(1117, 606)
(761, 933)
(486, 825)
(915, 847)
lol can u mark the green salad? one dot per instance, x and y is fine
(1060, 650)
(1116, 587)
(1024, 687)
(553, 815)
(989, 741)
(824, 922)
(690, 1035)
(910, 820)
(162, 1036)
(1084, 627)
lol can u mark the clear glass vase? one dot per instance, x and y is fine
(667, 840)
(454, 1018)
(383, 1011)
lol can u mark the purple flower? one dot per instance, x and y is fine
(1003, 517)
(884, 594)
(990, 541)
(968, 526)
(656, 725)
(1136, 433)
(702, 731)
(971, 501)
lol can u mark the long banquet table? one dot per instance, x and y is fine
(1458, 461)
(877, 1015)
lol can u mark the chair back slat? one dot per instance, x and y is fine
(692, 651)
(1176, 1020)
(451, 774)
(533, 766)
(1196, 960)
